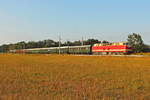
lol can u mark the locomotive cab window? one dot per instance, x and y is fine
(126, 44)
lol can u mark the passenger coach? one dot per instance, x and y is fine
(85, 49)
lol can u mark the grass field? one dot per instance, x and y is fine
(146, 54)
(53, 77)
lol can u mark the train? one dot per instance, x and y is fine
(117, 48)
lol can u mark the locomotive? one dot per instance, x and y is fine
(120, 48)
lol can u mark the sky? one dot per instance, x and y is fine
(112, 20)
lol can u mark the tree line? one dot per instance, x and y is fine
(46, 44)
(134, 40)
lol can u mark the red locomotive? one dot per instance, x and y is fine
(119, 48)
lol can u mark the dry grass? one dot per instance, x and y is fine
(146, 54)
(53, 77)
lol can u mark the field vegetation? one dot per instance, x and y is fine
(145, 54)
(54, 77)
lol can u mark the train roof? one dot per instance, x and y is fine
(63, 47)
(113, 43)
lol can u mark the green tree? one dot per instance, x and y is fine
(91, 41)
(77, 43)
(20, 45)
(49, 43)
(32, 44)
(104, 41)
(136, 42)
(4, 48)
(68, 43)
(146, 48)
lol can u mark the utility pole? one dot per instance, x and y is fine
(82, 42)
(67, 42)
(68, 46)
(59, 44)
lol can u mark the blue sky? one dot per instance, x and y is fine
(113, 20)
